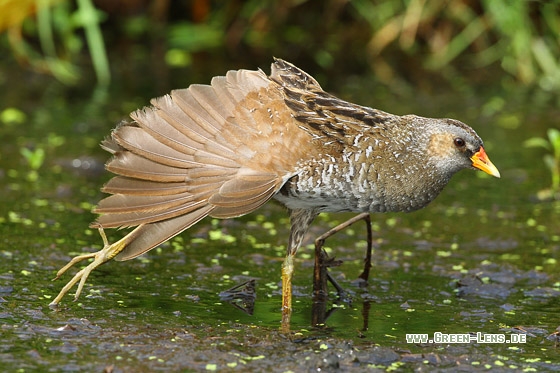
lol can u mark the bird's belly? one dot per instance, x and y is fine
(353, 188)
(352, 201)
(303, 193)
(321, 202)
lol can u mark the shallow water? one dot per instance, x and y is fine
(481, 258)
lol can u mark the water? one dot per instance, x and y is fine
(481, 258)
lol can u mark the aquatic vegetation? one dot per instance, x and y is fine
(35, 153)
(58, 26)
(35, 158)
(551, 161)
(519, 37)
(12, 116)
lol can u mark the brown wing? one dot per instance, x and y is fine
(330, 120)
(221, 150)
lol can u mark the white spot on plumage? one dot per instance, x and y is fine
(357, 138)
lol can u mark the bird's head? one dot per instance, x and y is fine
(453, 146)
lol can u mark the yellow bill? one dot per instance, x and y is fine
(481, 161)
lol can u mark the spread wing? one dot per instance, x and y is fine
(219, 150)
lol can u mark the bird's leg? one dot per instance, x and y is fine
(300, 220)
(108, 252)
(322, 260)
(287, 273)
(321, 273)
(367, 260)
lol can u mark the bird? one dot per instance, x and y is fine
(225, 149)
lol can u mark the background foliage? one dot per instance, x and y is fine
(400, 42)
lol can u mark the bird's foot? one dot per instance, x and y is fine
(322, 260)
(108, 252)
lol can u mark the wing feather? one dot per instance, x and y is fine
(151, 235)
(127, 185)
(221, 150)
(128, 164)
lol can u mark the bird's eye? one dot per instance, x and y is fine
(459, 142)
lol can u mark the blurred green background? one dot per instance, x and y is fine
(415, 42)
